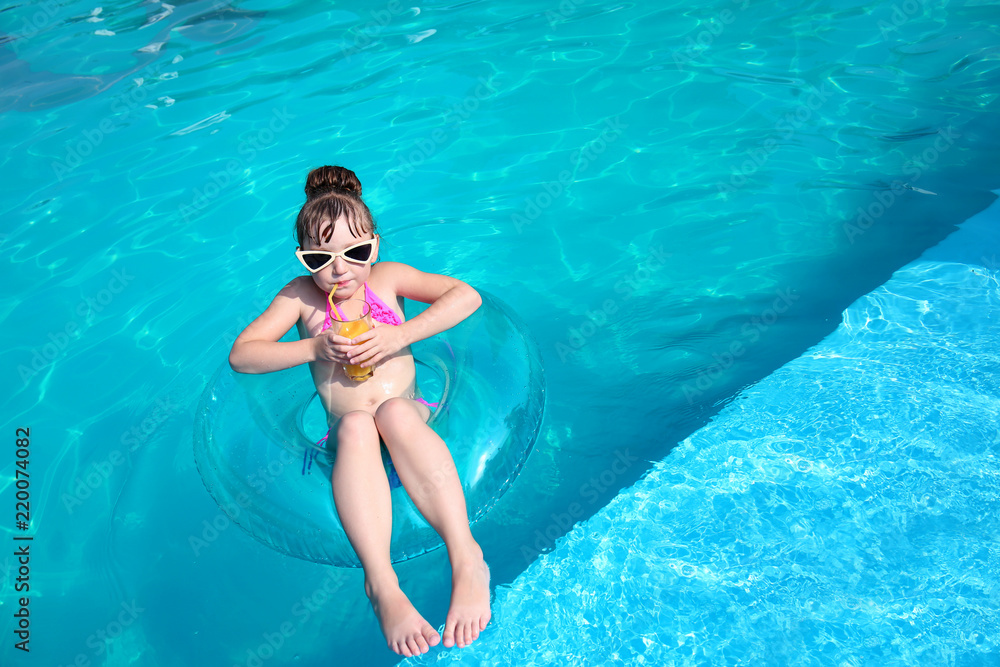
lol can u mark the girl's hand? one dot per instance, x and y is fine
(332, 347)
(375, 345)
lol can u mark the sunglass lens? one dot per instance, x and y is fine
(314, 260)
(360, 253)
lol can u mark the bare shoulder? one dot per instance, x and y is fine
(297, 288)
(286, 308)
(388, 272)
(384, 281)
(408, 282)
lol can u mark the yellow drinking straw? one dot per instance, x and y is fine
(333, 308)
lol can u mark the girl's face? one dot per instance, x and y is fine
(343, 276)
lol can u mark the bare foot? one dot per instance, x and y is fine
(406, 632)
(470, 601)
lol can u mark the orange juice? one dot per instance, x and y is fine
(350, 329)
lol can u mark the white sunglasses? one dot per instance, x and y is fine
(317, 260)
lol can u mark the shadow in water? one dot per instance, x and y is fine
(648, 414)
(24, 89)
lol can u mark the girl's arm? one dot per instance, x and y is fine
(257, 349)
(450, 299)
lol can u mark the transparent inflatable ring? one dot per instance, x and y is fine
(256, 438)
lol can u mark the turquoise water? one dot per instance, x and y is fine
(678, 201)
(853, 525)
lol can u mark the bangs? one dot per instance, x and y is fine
(332, 207)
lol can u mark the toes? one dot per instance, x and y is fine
(431, 636)
(483, 622)
(411, 643)
(468, 633)
(449, 633)
(462, 633)
(421, 644)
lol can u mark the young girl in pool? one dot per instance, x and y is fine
(339, 247)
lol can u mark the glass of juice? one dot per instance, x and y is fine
(357, 319)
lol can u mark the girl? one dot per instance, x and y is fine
(339, 247)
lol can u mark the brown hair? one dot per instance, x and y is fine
(332, 193)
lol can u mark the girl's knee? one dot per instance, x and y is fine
(356, 429)
(393, 412)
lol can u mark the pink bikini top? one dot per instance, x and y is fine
(380, 312)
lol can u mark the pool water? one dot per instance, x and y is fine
(841, 511)
(698, 211)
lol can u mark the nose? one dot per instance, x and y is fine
(339, 266)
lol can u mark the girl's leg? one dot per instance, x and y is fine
(428, 473)
(361, 495)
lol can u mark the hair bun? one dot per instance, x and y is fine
(332, 179)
